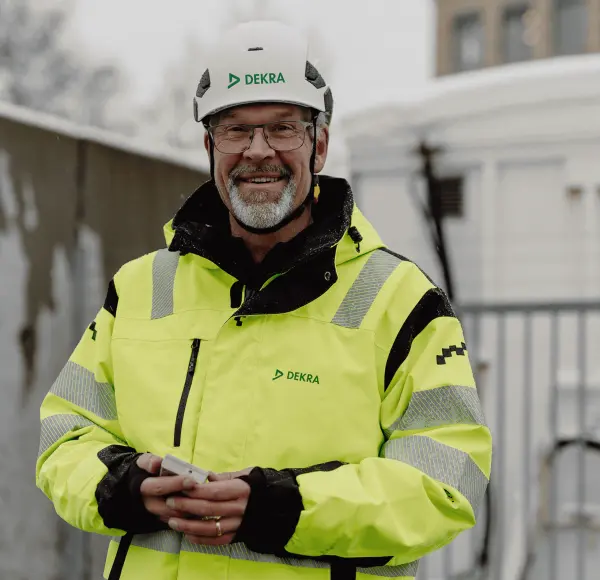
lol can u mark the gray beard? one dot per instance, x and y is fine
(255, 212)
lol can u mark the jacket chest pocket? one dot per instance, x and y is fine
(158, 377)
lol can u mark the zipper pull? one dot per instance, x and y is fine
(238, 320)
(193, 359)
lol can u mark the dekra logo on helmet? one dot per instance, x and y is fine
(257, 79)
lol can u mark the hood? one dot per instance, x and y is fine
(202, 227)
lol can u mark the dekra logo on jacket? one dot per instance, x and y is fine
(296, 376)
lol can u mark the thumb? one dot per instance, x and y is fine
(149, 462)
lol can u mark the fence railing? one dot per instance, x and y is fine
(538, 374)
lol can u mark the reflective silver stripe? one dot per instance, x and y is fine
(55, 427)
(441, 462)
(239, 551)
(409, 569)
(363, 292)
(170, 542)
(166, 541)
(440, 406)
(164, 269)
(78, 386)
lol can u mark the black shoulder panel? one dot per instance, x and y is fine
(434, 304)
(112, 299)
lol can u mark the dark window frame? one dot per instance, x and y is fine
(520, 8)
(558, 45)
(451, 190)
(462, 17)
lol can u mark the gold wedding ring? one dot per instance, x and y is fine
(219, 530)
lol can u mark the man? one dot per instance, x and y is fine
(322, 379)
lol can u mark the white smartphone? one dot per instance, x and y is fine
(172, 465)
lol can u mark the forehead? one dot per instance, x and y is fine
(263, 113)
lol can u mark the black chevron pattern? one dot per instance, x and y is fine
(448, 352)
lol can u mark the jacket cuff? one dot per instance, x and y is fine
(118, 494)
(274, 508)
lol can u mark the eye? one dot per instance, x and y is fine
(233, 131)
(283, 128)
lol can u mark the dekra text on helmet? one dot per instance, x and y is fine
(257, 79)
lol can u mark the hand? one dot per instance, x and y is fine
(224, 498)
(154, 489)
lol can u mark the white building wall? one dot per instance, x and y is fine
(526, 139)
(522, 138)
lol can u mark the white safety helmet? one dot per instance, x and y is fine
(260, 62)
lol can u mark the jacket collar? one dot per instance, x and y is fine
(202, 227)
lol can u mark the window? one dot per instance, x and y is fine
(468, 42)
(516, 37)
(570, 26)
(451, 196)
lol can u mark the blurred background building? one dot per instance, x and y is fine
(486, 175)
(476, 34)
(489, 179)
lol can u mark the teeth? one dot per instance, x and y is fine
(264, 179)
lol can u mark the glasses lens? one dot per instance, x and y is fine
(232, 138)
(280, 135)
(285, 135)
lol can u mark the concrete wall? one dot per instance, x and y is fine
(74, 207)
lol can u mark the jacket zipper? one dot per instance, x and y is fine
(186, 391)
(247, 294)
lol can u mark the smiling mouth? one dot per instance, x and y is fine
(262, 179)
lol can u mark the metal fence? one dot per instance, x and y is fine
(538, 374)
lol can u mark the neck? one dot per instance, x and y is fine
(260, 245)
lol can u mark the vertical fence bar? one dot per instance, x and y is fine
(448, 570)
(499, 475)
(553, 495)
(581, 419)
(527, 423)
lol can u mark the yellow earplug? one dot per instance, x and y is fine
(317, 192)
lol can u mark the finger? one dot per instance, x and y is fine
(155, 464)
(205, 528)
(207, 541)
(160, 486)
(149, 462)
(158, 507)
(227, 490)
(219, 476)
(228, 474)
(204, 508)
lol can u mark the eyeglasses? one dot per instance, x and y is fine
(280, 136)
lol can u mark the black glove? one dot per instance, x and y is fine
(118, 495)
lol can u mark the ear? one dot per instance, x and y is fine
(322, 149)
(206, 142)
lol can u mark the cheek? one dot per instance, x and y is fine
(299, 164)
(223, 167)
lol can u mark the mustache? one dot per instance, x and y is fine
(241, 169)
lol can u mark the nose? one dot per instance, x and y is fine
(259, 148)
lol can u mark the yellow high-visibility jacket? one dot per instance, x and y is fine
(333, 351)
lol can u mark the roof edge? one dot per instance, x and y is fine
(133, 145)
